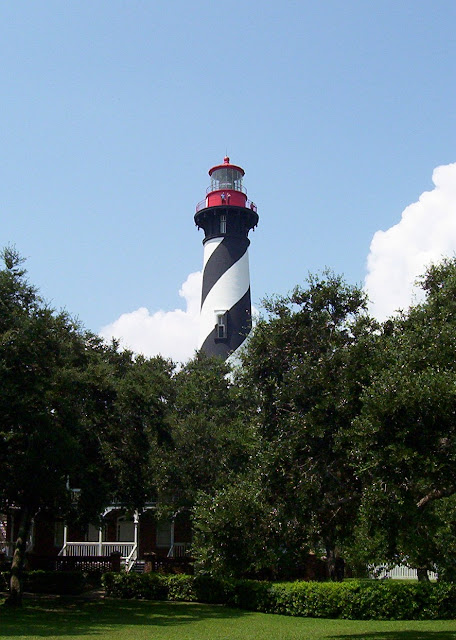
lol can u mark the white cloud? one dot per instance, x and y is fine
(173, 334)
(425, 234)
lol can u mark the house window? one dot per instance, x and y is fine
(92, 533)
(164, 534)
(58, 533)
(223, 224)
(125, 530)
(221, 325)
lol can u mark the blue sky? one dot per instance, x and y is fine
(113, 111)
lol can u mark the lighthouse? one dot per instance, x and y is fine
(226, 217)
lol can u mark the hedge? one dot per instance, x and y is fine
(54, 582)
(354, 599)
(147, 586)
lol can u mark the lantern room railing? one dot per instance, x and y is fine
(248, 205)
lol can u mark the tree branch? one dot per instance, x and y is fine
(435, 494)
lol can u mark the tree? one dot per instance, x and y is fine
(73, 411)
(211, 433)
(233, 528)
(405, 436)
(38, 443)
(306, 365)
(133, 424)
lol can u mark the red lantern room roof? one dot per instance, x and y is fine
(226, 164)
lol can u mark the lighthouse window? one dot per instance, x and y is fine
(222, 224)
(221, 325)
(226, 178)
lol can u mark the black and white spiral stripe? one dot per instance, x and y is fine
(226, 289)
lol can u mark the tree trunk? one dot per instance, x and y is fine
(422, 575)
(17, 567)
(331, 561)
(335, 564)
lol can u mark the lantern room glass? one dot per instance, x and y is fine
(226, 178)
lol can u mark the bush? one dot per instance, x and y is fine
(93, 578)
(354, 599)
(252, 595)
(56, 582)
(146, 586)
(156, 586)
(181, 588)
(364, 600)
(213, 590)
(310, 599)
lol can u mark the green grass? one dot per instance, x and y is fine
(53, 618)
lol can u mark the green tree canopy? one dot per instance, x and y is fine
(212, 436)
(304, 367)
(405, 436)
(73, 412)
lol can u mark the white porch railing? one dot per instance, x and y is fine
(126, 549)
(130, 561)
(79, 549)
(399, 572)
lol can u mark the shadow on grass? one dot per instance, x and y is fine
(400, 635)
(58, 617)
(44, 616)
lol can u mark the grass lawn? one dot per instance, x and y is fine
(110, 619)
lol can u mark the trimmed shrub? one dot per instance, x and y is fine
(252, 595)
(145, 586)
(181, 588)
(364, 600)
(311, 599)
(156, 586)
(354, 599)
(55, 582)
(213, 590)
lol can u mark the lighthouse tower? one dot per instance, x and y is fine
(226, 217)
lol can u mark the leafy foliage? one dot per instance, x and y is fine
(405, 434)
(336, 434)
(233, 531)
(353, 600)
(211, 432)
(56, 582)
(306, 365)
(73, 412)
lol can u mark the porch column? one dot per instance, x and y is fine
(136, 522)
(100, 540)
(171, 540)
(135, 532)
(65, 538)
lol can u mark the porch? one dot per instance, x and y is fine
(130, 538)
(128, 551)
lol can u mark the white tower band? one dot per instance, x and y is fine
(226, 216)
